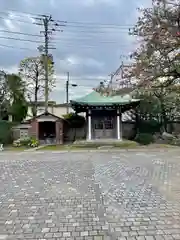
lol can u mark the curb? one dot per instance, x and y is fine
(110, 150)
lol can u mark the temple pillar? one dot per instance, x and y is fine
(89, 125)
(119, 125)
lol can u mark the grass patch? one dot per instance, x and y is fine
(53, 148)
(94, 146)
(154, 145)
(91, 145)
(65, 147)
(15, 149)
(111, 143)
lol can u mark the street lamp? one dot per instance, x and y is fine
(67, 91)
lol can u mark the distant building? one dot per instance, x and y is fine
(53, 108)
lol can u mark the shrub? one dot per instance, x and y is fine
(144, 138)
(33, 143)
(5, 132)
(26, 142)
(17, 143)
(21, 142)
(75, 120)
(149, 126)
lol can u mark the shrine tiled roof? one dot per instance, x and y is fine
(96, 99)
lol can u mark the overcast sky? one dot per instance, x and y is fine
(92, 45)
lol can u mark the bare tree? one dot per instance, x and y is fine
(33, 73)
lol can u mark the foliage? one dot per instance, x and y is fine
(144, 138)
(21, 142)
(157, 56)
(19, 110)
(33, 73)
(18, 106)
(17, 143)
(75, 120)
(33, 143)
(26, 142)
(4, 98)
(159, 104)
(5, 132)
(12, 96)
(149, 126)
(149, 105)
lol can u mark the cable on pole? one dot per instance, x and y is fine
(49, 26)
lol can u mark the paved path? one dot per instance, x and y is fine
(92, 196)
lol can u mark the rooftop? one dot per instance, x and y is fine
(97, 99)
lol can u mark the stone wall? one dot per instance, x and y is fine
(129, 130)
(72, 134)
(174, 127)
(34, 130)
(59, 132)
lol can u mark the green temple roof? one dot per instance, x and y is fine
(97, 99)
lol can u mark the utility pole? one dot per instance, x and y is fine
(50, 26)
(67, 93)
(46, 21)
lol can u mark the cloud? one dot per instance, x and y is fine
(94, 3)
(90, 46)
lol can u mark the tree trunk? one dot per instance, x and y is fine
(35, 105)
(163, 116)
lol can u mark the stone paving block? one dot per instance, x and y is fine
(149, 238)
(140, 238)
(121, 195)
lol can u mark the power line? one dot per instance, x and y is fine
(49, 26)
(95, 31)
(97, 26)
(21, 48)
(76, 24)
(96, 23)
(65, 21)
(96, 41)
(88, 46)
(20, 39)
(45, 21)
(17, 13)
(81, 39)
(17, 20)
(21, 33)
(61, 40)
(89, 36)
(88, 33)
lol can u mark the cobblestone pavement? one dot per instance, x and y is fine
(91, 196)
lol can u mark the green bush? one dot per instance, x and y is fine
(22, 142)
(5, 132)
(26, 142)
(75, 120)
(144, 138)
(149, 126)
(17, 143)
(33, 143)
